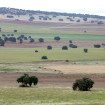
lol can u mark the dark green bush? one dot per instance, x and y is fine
(86, 50)
(41, 40)
(57, 38)
(83, 84)
(49, 47)
(27, 80)
(44, 57)
(97, 45)
(72, 46)
(36, 51)
(2, 42)
(70, 41)
(15, 30)
(64, 48)
(31, 40)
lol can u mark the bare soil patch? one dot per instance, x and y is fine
(59, 75)
(49, 80)
(75, 69)
(80, 44)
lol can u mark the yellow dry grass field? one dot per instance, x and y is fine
(74, 69)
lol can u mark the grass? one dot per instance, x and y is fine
(50, 96)
(4, 69)
(18, 55)
(10, 59)
(20, 67)
(38, 31)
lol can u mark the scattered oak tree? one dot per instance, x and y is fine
(84, 84)
(27, 80)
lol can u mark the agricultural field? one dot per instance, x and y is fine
(57, 73)
(48, 28)
(50, 96)
(19, 55)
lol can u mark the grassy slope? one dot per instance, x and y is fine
(36, 96)
(16, 55)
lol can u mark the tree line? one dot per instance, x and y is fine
(14, 11)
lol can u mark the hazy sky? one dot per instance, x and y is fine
(70, 6)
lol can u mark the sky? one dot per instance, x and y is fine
(93, 7)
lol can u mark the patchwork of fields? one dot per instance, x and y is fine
(58, 72)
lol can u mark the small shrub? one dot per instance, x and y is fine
(41, 40)
(72, 46)
(3, 35)
(97, 46)
(78, 20)
(64, 48)
(85, 19)
(70, 41)
(25, 38)
(57, 38)
(100, 22)
(86, 50)
(31, 40)
(36, 50)
(22, 36)
(15, 30)
(20, 40)
(83, 84)
(67, 60)
(44, 57)
(2, 42)
(29, 37)
(49, 47)
(31, 18)
(60, 19)
(10, 16)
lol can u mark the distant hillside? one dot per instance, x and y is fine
(13, 11)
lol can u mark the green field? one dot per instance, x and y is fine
(18, 55)
(50, 96)
(23, 59)
(48, 32)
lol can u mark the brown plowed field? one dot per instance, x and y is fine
(81, 44)
(62, 76)
(46, 80)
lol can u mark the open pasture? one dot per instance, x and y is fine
(52, 89)
(50, 30)
(17, 55)
(55, 78)
(50, 96)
